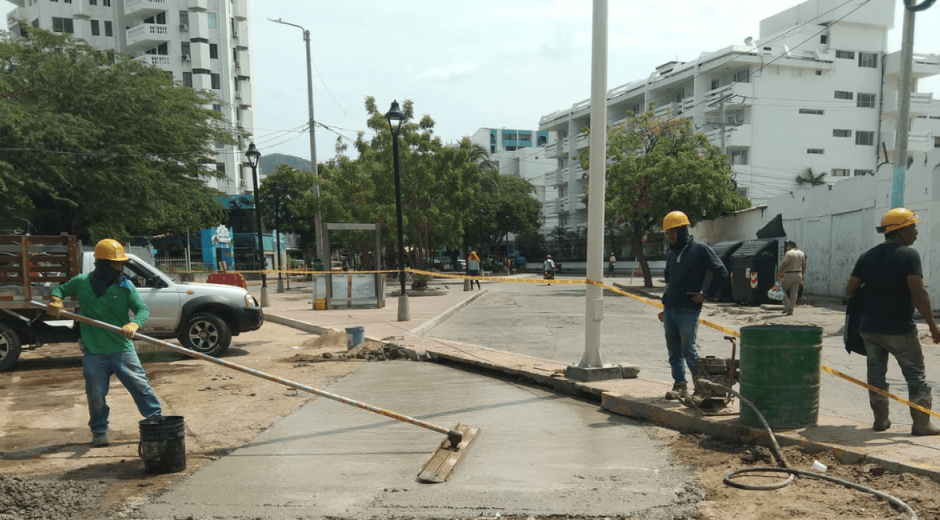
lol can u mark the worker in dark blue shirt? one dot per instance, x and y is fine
(686, 266)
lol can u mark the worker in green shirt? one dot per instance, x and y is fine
(106, 295)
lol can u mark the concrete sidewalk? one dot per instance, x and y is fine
(848, 441)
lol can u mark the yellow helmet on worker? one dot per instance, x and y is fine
(896, 219)
(675, 219)
(110, 249)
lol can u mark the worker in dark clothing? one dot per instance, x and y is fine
(892, 279)
(686, 266)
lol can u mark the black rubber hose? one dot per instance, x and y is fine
(775, 448)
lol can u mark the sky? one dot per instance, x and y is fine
(482, 64)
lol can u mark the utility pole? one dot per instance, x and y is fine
(594, 295)
(904, 109)
(317, 218)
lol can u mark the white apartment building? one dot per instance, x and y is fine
(522, 153)
(203, 43)
(817, 90)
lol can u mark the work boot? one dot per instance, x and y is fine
(922, 425)
(100, 439)
(879, 405)
(678, 391)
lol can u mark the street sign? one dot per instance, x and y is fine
(222, 233)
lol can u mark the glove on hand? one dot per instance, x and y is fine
(130, 330)
(54, 308)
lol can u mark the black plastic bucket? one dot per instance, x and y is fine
(163, 444)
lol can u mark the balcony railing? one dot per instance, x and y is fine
(920, 102)
(147, 34)
(154, 59)
(144, 8)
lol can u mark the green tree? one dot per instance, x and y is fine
(437, 184)
(658, 165)
(294, 203)
(97, 144)
(808, 177)
(508, 206)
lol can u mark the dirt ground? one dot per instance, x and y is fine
(48, 470)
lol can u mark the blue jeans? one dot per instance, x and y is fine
(907, 350)
(681, 324)
(97, 369)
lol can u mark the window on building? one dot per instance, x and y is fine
(742, 76)
(525, 137)
(868, 60)
(739, 157)
(62, 25)
(838, 132)
(840, 172)
(67, 1)
(842, 94)
(742, 192)
(715, 84)
(184, 48)
(214, 51)
(812, 111)
(848, 55)
(92, 2)
(184, 17)
(819, 73)
(216, 82)
(865, 100)
(220, 167)
(188, 79)
(212, 22)
(217, 107)
(865, 138)
(562, 192)
(106, 3)
(859, 173)
(936, 142)
(824, 39)
(815, 151)
(108, 30)
(95, 28)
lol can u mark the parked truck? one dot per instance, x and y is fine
(203, 317)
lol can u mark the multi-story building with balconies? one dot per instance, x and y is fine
(522, 153)
(203, 43)
(816, 91)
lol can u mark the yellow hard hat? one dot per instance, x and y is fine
(675, 219)
(110, 249)
(897, 218)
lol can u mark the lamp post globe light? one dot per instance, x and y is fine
(253, 157)
(396, 118)
(276, 191)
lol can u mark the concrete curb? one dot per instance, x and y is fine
(420, 330)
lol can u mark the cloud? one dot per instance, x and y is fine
(448, 73)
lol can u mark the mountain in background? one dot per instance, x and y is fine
(269, 163)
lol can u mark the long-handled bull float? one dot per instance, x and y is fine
(438, 467)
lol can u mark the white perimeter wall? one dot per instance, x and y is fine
(835, 224)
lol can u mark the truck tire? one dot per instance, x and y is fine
(206, 333)
(9, 347)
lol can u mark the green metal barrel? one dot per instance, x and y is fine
(780, 374)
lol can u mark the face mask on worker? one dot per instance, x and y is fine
(103, 276)
(682, 238)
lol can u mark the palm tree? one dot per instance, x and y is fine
(481, 157)
(809, 178)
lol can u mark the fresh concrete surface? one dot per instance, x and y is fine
(537, 452)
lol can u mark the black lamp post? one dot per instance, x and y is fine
(276, 190)
(253, 157)
(481, 235)
(396, 118)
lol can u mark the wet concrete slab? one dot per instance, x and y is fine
(537, 452)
